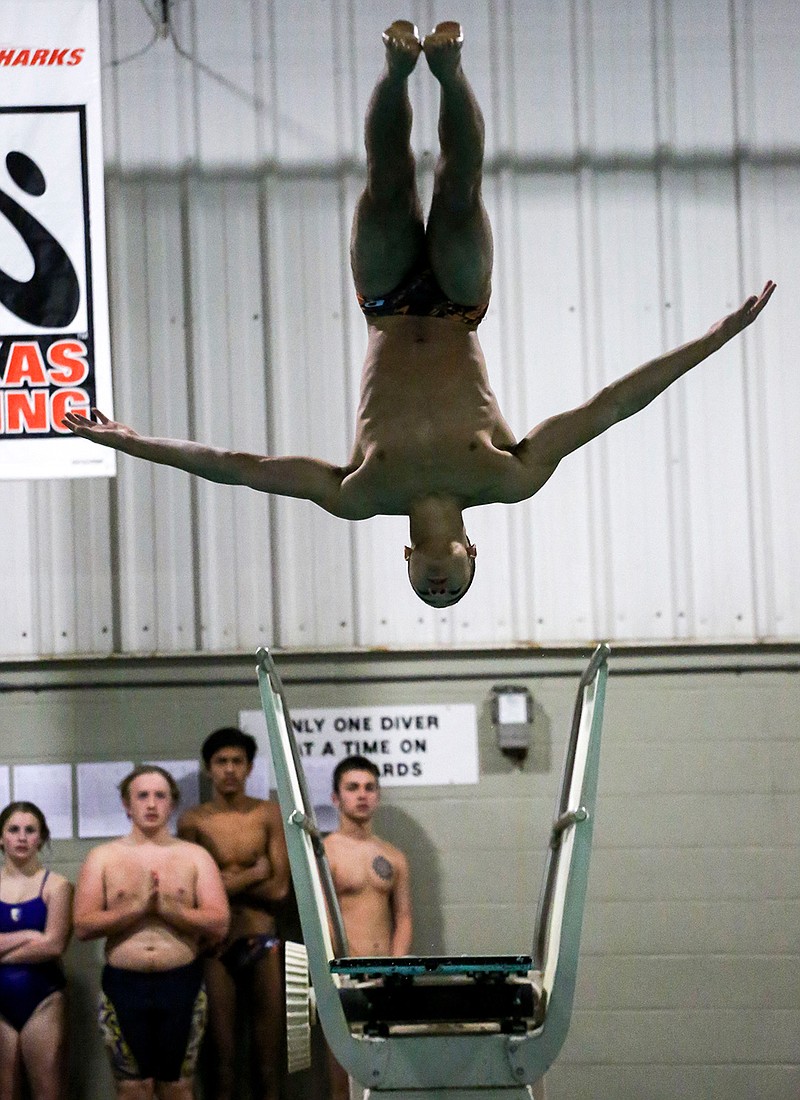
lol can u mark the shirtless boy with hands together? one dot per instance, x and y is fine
(157, 901)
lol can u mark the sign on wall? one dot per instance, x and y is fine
(413, 746)
(54, 336)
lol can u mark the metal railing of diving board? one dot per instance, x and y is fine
(429, 1062)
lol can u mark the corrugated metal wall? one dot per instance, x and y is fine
(643, 175)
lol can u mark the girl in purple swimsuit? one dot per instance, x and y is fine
(35, 927)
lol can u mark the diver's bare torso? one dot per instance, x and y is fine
(428, 421)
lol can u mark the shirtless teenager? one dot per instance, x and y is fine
(370, 877)
(245, 837)
(430, 439)
(157, 901)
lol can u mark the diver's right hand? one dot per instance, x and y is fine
(100, 429)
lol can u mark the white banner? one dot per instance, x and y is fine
(54, 337)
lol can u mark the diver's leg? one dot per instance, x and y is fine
(459, 236)
(388, 233)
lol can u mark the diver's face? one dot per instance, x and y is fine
(441, 580)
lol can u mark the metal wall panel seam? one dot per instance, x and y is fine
(664, 80)
(751, 459)
(113, 189)
(752, 200)
(521, 563)
(597, 482)
(129, 312)
(91, 589)
(191, 405)
(39, 607)
(168, 409)
(267, 200)
(344, 92)
(760, 442)
(110, 97)
(207, 248)
(194, 155)
(670, 315)
(270, 427)
(776, 217)
(252, 593)
(220, 565)
(19, 626)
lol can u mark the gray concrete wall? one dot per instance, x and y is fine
(689, 982)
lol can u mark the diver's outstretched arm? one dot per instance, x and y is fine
(290, 476)
(543, 448)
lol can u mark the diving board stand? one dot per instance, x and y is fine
(418, 1027)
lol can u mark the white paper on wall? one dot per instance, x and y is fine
(100, 810)
(49, 786)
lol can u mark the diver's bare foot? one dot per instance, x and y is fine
(443, 49)
(403, 47)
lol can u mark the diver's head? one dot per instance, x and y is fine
(442, 577)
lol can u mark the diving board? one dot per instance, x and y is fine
(419, 1025)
